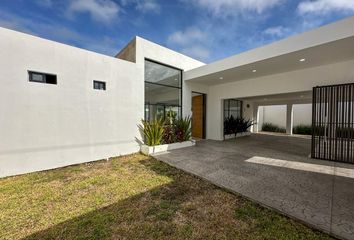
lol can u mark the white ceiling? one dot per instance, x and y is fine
(329, 44)
(294, 97)
(337, 51)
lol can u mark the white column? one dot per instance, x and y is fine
(255, 118)
(289, 119)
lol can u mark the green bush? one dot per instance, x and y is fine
(303, 129)
(236, 125)
(171, 130)
(319, 130)
(182, 129)
(345, 132)
(270, 127)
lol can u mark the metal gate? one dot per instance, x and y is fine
(333, 123)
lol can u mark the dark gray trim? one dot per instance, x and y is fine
(165, 85)
(99, 83)
(30, 79)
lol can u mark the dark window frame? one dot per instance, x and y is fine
(45, 77)
(229, 111)
(100, 83)
(147, 104)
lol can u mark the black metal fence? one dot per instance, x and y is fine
(333, 123)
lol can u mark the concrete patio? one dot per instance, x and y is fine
(276, 172)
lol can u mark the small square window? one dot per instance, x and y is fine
(42, 77)
(98, 85)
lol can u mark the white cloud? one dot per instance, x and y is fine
(278, 31)
(197, 52)
(104, 11)
(185, 37)
(191, 42)
(325, 6)
(146, 6)
(235, 7)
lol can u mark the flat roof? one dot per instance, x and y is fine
(327, 44)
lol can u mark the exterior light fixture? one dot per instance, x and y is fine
(254, 70)
(221, 78)
(302, 60)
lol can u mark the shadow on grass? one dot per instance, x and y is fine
(186, 208)
(148, 215)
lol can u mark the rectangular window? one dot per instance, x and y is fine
(99, 85)
(163, 91)
(232, 107)
(42, 77)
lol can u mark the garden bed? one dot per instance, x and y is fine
(238, 135)
(151, 150)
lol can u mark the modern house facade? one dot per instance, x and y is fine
(61, 105)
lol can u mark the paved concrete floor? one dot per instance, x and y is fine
(276, 171)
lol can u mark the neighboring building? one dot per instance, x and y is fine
(61, 105)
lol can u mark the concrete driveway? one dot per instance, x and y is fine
(276, 171)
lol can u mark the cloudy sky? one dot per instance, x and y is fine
(207, 30)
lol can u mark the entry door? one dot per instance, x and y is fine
(198, 116)
(332, 121)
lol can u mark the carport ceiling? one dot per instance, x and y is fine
(275, 99)
(328, 44)
(337, 51)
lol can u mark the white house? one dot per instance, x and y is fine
(61, 105)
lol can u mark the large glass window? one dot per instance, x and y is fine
(232, 107)
(163, 91)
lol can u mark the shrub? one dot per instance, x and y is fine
(236, 125)
(303, 129)
(270, 127)
(152, 132)
(319, 130)
(159, 132)
(168, 134)
(345, 132)
(183, 129)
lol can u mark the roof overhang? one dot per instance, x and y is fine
(328, 44)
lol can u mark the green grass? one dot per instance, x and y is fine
(133, 197)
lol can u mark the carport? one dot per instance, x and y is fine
(277, 171)
(288, 72)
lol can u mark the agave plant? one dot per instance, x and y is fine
(152, 131)
(183, 129)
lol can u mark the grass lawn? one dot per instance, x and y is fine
(133, 197)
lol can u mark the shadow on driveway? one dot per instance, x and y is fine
(276, 171)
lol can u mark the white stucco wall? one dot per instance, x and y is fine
(302, 114)
(276, 114)
(45, 126)
(272, 114)
(295, 81)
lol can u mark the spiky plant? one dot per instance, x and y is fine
(152, 131)
(183, 130)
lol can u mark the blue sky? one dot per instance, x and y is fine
(207, 30)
